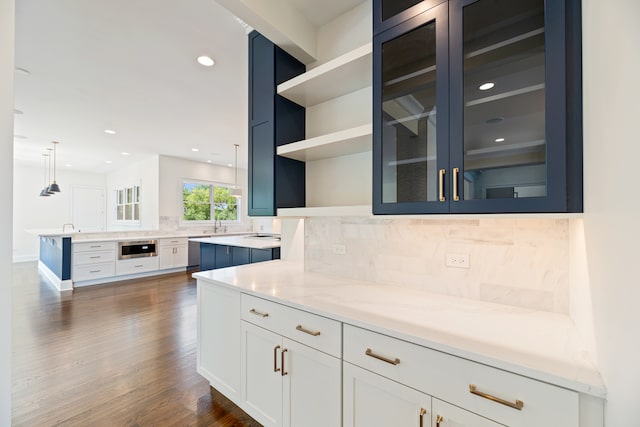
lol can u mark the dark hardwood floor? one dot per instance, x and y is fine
(111, 355)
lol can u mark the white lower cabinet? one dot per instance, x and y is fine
(173, 253)
(218, 351)
(291, 365)
(371, 400)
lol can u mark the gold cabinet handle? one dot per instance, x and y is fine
(370, 353)
(518, 405)
(439, 419)
(258, 313)
(284, 350)
(307, 331)
(441, 173)
(275, 358)
(456, 196)
(422, 412)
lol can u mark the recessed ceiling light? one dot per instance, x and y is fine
(494, 120)
(206, 61)
(124, 153)
(208, 161)
(22, 71)
(230, 165)
(110, 132)
(195, 150)
(16, 136)
(108, 162)
(499, 139)
(68, 165)
(486, 86)
(16, 111)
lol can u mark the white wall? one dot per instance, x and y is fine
(34, 212)
(7, 31)
(611, 59)
(146, 174)
(174, 170)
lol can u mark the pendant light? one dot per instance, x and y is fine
(54, 185)
(49, 187)
(44, 192)
(235, 191)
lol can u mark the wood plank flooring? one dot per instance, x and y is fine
(111, 355)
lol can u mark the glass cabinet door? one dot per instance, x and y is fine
(502, 95)
(389, 13)
(410, 114)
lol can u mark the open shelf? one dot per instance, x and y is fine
(334, 78)
(341, 143)
(356, 210)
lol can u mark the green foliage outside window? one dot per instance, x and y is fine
(198, 205)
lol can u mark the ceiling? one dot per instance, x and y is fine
(129, 66)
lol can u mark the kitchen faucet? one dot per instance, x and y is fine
(217, 224)
(65, 225)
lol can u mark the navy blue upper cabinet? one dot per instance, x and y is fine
(389, 13)
(274, 182)
(510, 103)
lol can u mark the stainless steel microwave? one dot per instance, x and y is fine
(137, 249)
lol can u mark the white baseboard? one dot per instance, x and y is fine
(59, 284)
(128, 277)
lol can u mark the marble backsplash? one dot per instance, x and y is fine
(519, 262)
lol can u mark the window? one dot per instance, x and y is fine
(205, 202)
(128, 204)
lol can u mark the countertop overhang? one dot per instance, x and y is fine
(247, 241)
(541, 345)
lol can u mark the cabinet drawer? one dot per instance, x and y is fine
(449, 378)
(132, 266)
(93, 271)
(173, 241)
(93, 257)
(310, 329)
(93, 246)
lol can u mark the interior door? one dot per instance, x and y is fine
(88, 208)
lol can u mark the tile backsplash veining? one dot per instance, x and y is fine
(519, 262)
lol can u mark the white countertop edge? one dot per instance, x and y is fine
(75, 239)
(576, 373)
(242, 241)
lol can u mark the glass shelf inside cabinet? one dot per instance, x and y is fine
(504, 99)
(409, 116)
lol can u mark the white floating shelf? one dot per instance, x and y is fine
(340, 76)
(356, 210)
(341, 143)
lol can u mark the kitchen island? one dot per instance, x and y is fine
(425, 353)
(228, 251)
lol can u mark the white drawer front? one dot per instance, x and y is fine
(315, 331)
(449, 378)
(138, 265)
(93, 257)
(93, 246)
(173, 241)
(93, 271)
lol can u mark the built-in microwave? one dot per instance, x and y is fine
(137, 249)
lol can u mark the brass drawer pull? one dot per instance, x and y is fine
(439, 420)
(284, 350)
(258, 313)
(422, 412)
(370, 352)
(307, 331)
(95, 271)
(441, 173)
(456, 196)
(275, 358)
(95, 257)
(518, 405)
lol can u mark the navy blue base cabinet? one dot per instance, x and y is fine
(477, 106)
(214, 256)
(274, 182)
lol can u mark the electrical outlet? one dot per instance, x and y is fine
(457, 260)
(339, 249)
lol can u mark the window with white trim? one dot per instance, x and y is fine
(128, 204)
(207, 202)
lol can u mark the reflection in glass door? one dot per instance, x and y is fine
(504, 100)
(409, 155)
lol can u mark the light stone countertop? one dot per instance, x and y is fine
(249, 241)
(110, 236)
(540, 345)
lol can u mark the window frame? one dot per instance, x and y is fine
(212, 185)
